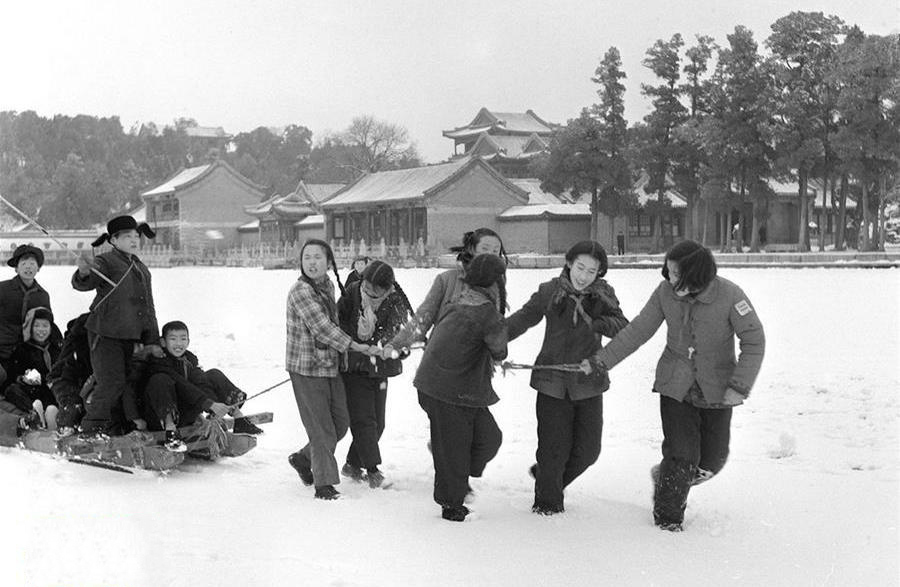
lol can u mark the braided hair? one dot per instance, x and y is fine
(466, 251)
(329, 256)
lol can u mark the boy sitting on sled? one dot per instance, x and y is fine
(177, 390)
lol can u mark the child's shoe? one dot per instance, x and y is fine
(38, 407)
(173, 442)
(353, 472)
(244, 426)
(327, 492)
(301, 464)
(375, 477)
(454, 513)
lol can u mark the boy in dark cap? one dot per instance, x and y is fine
(454, 383)
(17, 296)
(122, 319)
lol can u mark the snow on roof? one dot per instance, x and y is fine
(546, 210)
(179, 179)
(312, 220)
(401, 184)
(206, 132)
(535, 194)
(250, 226)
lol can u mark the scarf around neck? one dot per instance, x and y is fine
(567, 291)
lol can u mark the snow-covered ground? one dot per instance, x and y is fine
(809, 497)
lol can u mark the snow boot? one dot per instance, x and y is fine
(543, 508)
(244, 426)
(173, 442)
(327, 493)
(375, 477)
(454, 513)
(353, 472)
(301, 464)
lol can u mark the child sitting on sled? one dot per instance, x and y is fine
(176, 390)
(29, 365)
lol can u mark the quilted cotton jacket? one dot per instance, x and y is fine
(699, 341)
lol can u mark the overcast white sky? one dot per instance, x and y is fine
(425, 64)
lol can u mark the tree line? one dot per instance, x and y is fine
(75, 171)
(822, 102)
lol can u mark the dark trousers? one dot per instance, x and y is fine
(161, 399)
(366, 401)
(692, 438)
(71, 405)
(463, 442)
(569, 434)
(223, 389)
(111, 358)
(322, 402)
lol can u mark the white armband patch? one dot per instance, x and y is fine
(743, 308)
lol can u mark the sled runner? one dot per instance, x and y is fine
(206, 439)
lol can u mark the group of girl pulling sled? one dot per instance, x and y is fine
(341, 354)
(114, 372)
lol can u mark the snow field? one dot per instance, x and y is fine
(809, 496)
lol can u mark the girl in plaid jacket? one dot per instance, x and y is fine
(315, 342)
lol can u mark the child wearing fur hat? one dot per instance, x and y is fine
(454, 383)
(29, 365)
(122, 318)
(17, 296)
(372, 310)
(579, 308)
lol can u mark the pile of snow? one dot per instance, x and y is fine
(809, 496)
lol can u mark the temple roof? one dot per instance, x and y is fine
(536, 195)
(411, 184)
(499, 123)
(191, 175)
(508, 146)
(546, 211)
(303, 201)
(206, 132)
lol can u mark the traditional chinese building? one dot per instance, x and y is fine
(437, 203)
(200, 208)
(280, 218)
(507, 140)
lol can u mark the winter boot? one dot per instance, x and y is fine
(301, 464)
(244, 426)
(327, 492)
(543, 508)
(173, 442)
(353, 472)
(375, 477)
(454, 513)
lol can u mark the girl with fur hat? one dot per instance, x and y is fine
(122, 319)
(698, 378)
(29, 366)
(315, 343)
(17, 296)
(372, 311)
(454, 383)
(447, 286)
(579, 308)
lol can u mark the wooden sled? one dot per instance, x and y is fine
(206, 439)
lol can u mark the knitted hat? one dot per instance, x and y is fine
(484, 270)
(25, 250)
(120, 223)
